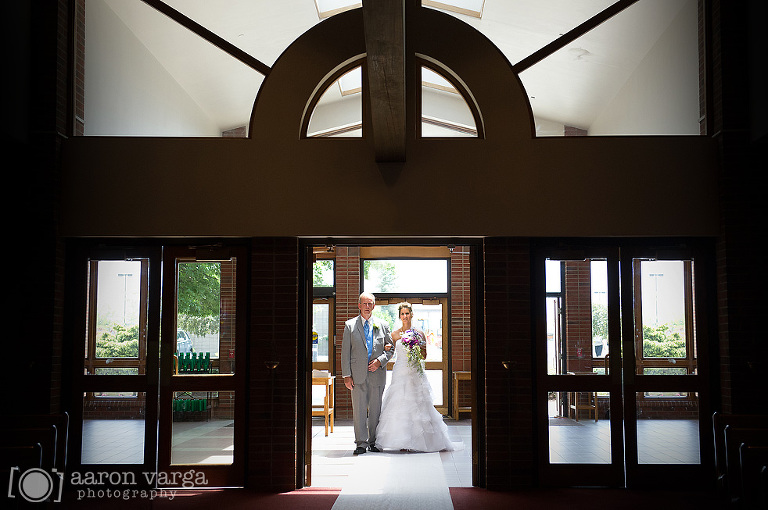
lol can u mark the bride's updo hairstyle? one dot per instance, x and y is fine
(404, 304)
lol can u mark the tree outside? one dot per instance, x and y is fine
(199, 291)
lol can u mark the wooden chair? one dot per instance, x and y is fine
(459, 376)
(582, 401)
(326, 410)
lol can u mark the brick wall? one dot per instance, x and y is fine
(347, 292)
(508, 337)
(461, 320)
(578, 315)
(272, 407)
(734, 77)
(668, 409)
(227, 317)
(115, 408)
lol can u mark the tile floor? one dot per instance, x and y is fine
(122, 442)
(332, 458)
(113, 442)
(658, 441)
(203, 442)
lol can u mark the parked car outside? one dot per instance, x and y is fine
(183, 341)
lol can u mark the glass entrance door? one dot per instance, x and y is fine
(581, 380)
(666, 398)
(429, 315)
(619, 364)
(202, 397)
(115, 297)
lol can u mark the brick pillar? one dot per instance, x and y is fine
(461, 320)
(347, 292)
(578, 315)
(508, 337)
(225, 404)
(272, 432)
(738, 125)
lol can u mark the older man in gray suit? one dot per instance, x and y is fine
(365, 349)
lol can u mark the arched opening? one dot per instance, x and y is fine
(445, 111)
(339, 110)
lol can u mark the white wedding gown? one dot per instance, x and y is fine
(408, 418)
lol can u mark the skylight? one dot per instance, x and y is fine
(339, 111)
(444, 111)
(328, 8)
(352, 82)
(429, 78)
(472, 8)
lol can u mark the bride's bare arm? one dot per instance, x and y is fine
(394, 336)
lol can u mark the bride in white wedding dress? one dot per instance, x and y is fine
(409, 420)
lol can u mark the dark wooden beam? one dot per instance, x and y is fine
(384, 24)
(574, 34)
(209, 36)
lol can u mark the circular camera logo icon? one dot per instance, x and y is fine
(35, 485)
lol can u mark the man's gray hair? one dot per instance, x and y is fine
(366, 294)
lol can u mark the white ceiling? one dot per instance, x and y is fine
(569, 87)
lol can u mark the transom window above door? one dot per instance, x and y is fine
(405, 276)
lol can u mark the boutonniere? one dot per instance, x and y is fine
(375, 327)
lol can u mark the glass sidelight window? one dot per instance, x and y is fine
(115, 342)
(322, 334)
(323, 309)
(205, 317)
(665, 313)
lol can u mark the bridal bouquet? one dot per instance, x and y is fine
(411, 340)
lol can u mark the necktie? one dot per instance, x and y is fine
(368, 339)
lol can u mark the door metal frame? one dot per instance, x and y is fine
(221, 475)
(621, 381)
(79, 296)
(609, 474)
(304, 365)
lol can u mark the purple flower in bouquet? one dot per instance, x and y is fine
(411, 340)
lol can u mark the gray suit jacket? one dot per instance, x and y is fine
(354, 351)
